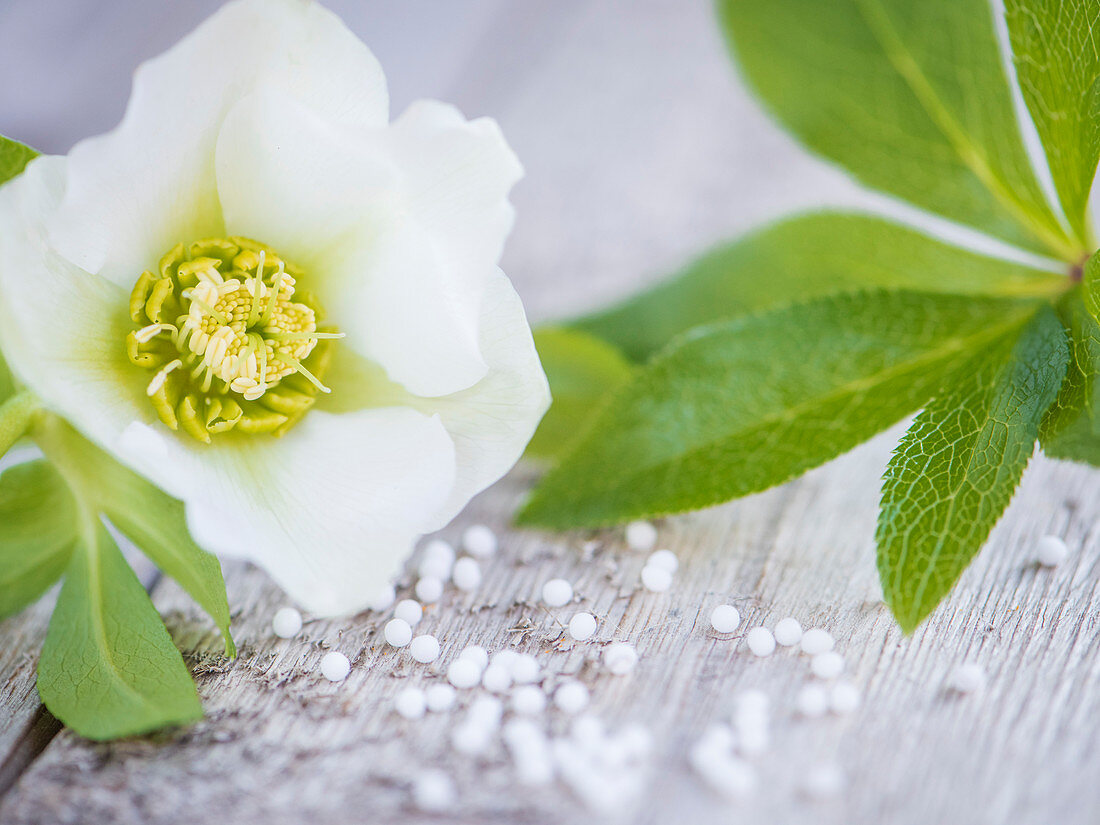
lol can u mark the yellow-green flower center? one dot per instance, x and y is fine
(230, 343)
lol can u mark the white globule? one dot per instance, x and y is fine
(525, 669)
(466, 574)
(408, 611)
(582, 626)
(760, 641)
(479, 541)
(424, 649)
(824, 782)
(827, 665)
(725, 618)
(571, 697)
(440, 698)
(620, 658)
(641, 536)
(411, 703)
(815, 640)
(844, 698)
(463, 673)
(429, 589)
(656, 579)
(335, 666)
(557, 593)
(287, 623)
(1052, 551)
(967, 678)
(476, 654)
(397, 632)
(383, 598)
(433, 791)
(437, 560)
(812, 701)
(496, 679)
(528, 700)
(788, 632)
(665, 559)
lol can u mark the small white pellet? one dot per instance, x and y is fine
(505, 658)
(486, 711)
(788, 632)
(760, 641)
(967, 678)
(466, 574)
(429, 589)
(437, 561)
(433, 791)
(656, 579)
(827, 665)
(463, 673)
(476, 654)
(753, 738)
(439, 550)
(725, 618)
(408, 611)
(496, 679)
(439, 698)
(479, 541)
(1052, 551)
(571, 697)
(557, 593)
(582, 626)
(812, 701)
(844, 698)
(641, 535)
(823, 782)
(471, 739)
(664, 559)
(411, 703)
(335, 666)
(397, 632)
(424, 648)
(383, 598)
(815, 640)
(525, 669)
(286, 623)
(620, 658)
(528, 700)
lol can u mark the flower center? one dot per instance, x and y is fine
(229, 343)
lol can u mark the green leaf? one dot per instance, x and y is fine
(154, 521)
(14, 157)
(804, 257)
(910, 97)
(583, 372)
(7, 382)
(108, 667)
(38, 531)
(738, 407)
(1071, 427)
(1058, 65)
(955, 471)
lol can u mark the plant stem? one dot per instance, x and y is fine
(16, 416)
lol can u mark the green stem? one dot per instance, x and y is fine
(16, 416)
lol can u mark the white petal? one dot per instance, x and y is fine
(136, 192)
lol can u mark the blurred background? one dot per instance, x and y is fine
(641, 146)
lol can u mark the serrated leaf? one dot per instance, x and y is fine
(738, 407)
(804, 257)
(583, 372)
(910, 97)
(38, 531)
(14, 157)
(956, 469)
(108, 667)
(1071, 427)
(1054, 44)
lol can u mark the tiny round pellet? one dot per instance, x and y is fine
(823, 782)
(524, 669)
(496, 679)
(725, 618)
(582, 626)
(844, 698)
(440, 698)
(409, 611)
(664, 559)
(466, 574)
(760, 641)
(968, 678)
(463, 673)
(424, 648)
(1052, 551)
(557, 593)
(528, 700)
(641, 535)
(620, 658)
(827, 665)
(812, 701)
(383, 598)
(788, 632)
(397, 632)
(438, 560)
(477, 654)
(335, 666)
(571, 697)
(479, 541)
(410, 703)
(287, 623)
(433, 791)
(815, 640)
(429, 589)
(656, 579)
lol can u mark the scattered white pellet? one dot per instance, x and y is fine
(505, 658)
(479, 541)
(571, 697)
(496, 679)
(620, 658)
(424, 648)
(286, 623)
(665, 559)
(383, 598)
(437, 561)
(844, 698)
(486, 711)
(753, 738)
(525, 669)
(815, 640)
(411, 703)
(725, 618)
(827, 665)
(641, 535)
(471, 739)
(582, 626)
(398, 633)
(466, 574)
(713, 759)
(656, 579)
(476, 654)
(760, 641)
(429, 589)
(530, 751)
(463, 673)
(335, 666)
(409, 611)
(433, 791)
(967, 678)
(1052, 551)
(528, 700)
(788, 632)
(440, 698)
(812, 701)
(823, 782)
(557, 593)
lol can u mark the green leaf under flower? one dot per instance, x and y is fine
(14, 157)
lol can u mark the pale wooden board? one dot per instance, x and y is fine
(641, 149)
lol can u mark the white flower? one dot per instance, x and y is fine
(270, 122)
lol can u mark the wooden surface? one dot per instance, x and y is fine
(641, 149)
